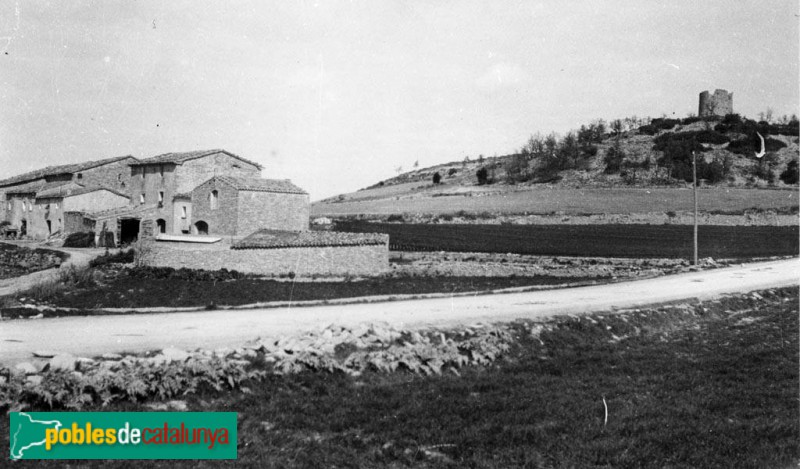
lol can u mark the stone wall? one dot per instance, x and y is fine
(222, 219)
(241, 212)
(150, 181)
(75, 222)
(116, 175)
(182, 216)
(718, 104)
(340, 260)
(52, 210)
(21, 209)
(275, 211)
(192, 173)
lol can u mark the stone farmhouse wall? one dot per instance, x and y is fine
(194, 172)
(339, 260)
(151, 182)
(115, 175)
(241, 212)
(276, 211)
(21, 208)
(222, 219)
(182, 215)
(52, 210)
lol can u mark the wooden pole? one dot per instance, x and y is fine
(694, 192)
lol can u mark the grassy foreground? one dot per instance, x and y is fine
(710, 385)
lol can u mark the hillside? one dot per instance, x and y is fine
(610, 171)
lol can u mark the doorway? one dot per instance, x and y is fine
(161, 224)
(128, 230)
(23, 228)
(49, 227)
(202, 227)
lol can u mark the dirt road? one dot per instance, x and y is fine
(90, 336)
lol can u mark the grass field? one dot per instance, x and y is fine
(711, 385)
(654, 241)
(571, 201)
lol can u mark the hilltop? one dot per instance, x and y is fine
(621, 162)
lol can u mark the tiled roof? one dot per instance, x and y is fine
(62, 169)
(122, 211)
(284, 186)
(180, 158)
(29, 188)
(273, 239)
(72, 189)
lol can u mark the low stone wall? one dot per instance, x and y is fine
(331, 260)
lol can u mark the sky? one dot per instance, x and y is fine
(335, 95)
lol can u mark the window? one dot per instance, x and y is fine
(80, 176)
(24, 206)
(183, 212)
(161, 198)
(141, 198)
(30, 207)
(56, 205)
(212, 199)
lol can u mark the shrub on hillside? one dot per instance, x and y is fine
(613, 160)
(483, 176)
(701, 136)
(80, 240)
(790, 175)
(748, 146)
(737, 124)
(437, 178)
(451, 171)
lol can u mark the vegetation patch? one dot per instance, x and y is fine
(166, 287)
(647, 241)
(16, 261)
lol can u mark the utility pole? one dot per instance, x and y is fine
(694, 192)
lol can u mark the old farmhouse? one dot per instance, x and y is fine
(204, 209)
(33, 204)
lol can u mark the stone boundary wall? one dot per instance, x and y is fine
(331, 260)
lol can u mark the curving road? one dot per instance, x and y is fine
(91, 336)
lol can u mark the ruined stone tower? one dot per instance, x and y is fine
(718, 104)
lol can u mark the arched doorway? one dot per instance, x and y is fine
(201, 227)
(161, 224)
